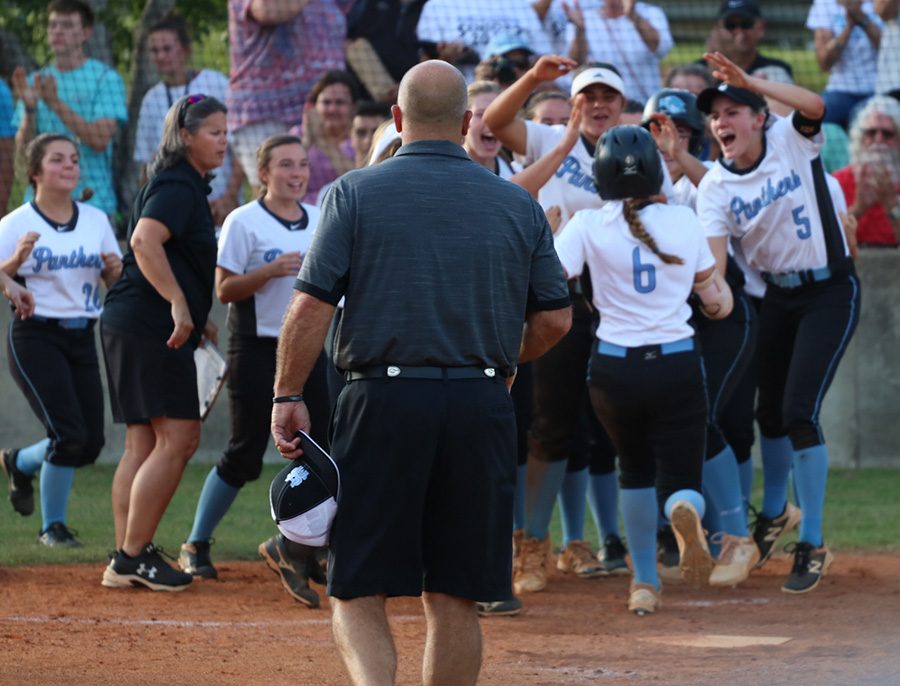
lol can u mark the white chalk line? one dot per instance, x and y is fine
(715, 603)
(179, 623)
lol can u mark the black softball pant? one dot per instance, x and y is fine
(251, 363)
(728, 346)
(653, 406)
(803, 334)
(562, 426)
(58, 371)
(739, 413)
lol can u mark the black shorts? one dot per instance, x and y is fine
(428, 474)
(147, 379)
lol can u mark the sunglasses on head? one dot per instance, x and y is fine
(735, 24)
(886, 134)
(186, 104)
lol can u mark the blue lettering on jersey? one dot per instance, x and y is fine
(577, 178)
(74, 260)
(272, 255)
(767, 195)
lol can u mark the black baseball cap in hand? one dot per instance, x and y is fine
(303, 496)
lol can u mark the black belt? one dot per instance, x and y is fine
(392, 371)
(70, 323)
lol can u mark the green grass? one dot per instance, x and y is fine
(862, 512)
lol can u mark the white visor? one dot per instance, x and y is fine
(594, 75)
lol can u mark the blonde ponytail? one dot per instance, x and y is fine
(630, 212)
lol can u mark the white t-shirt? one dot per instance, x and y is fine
(157, 102)
(572, 186)
(774, 207)
(888, 78)
(475, 23)
(252, 237)
(63, 270)
(641, 300)
(855, 70)
(618, 42)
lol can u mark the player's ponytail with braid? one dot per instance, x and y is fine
(636, 226)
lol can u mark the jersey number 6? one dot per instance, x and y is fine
(644, 274)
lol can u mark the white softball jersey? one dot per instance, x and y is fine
(252, 237)
(63, 269)
(641, 300)
(572, 186)
(781, 209)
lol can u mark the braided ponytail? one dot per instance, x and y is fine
(630, 212)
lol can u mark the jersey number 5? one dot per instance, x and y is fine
(644, 274)
(805, 230)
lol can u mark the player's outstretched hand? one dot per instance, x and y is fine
(551, 67)
(725, 70)
(664, 132)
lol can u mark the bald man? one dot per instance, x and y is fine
(441, 263)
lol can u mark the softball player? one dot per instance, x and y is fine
(777, 204)
(646, 376)
(260, 252)
(61, 251)
(727, 346)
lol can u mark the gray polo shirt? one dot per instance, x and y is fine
(439, 260)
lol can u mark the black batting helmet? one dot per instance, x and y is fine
(681, 107)
(626, 164)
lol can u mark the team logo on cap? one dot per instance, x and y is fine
(672, 105)
(297, 476)
(630, 165)
(723, 87)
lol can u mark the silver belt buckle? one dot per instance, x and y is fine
(393, 371)
(490, 372)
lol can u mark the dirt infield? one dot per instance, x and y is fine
(59, 626)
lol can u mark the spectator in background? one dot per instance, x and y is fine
(278, 50)
(169, 43)
(737, 35)
(369, 116)
(633, 114)
(872, 181)
(7, 146)
(459, 30)
(382, 44)
(694, 77)
(75, 95)
(632, 35)
(326, 131)
(888, 79)
(549, 107)
(847, 35)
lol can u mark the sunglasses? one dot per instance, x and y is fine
(886, 134)
(185, 106)
(735, 24)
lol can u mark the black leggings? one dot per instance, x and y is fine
(739, 413)
(728, 346)
(252, 373)
(803, 334)
(654, 409)
(58, 371)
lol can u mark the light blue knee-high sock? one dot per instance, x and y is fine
(30, 459)
(639, 510)
(722, 482)
(745, 469)
(544, 481)
(603, 497)
(777, 454)
(56, 484)
(810, 476)
(215, 499)
(695, 498)
(572, 504)
(519, 498)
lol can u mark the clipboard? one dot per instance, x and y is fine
(212, 371)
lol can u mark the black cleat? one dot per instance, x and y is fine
(21, 489)
(767, 532)
(810, 565)
(58, 535)
(292, 568)
(194, 559)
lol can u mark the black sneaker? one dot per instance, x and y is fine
(810, 565)
(293, 568)
(667, 554)
(500, 608)
(58, 534)
(194, 559)
(147, 569)
(21, 489)
(613, 555)
(767, 532)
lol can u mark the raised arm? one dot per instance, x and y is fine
(274, 12)
(501, 116)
